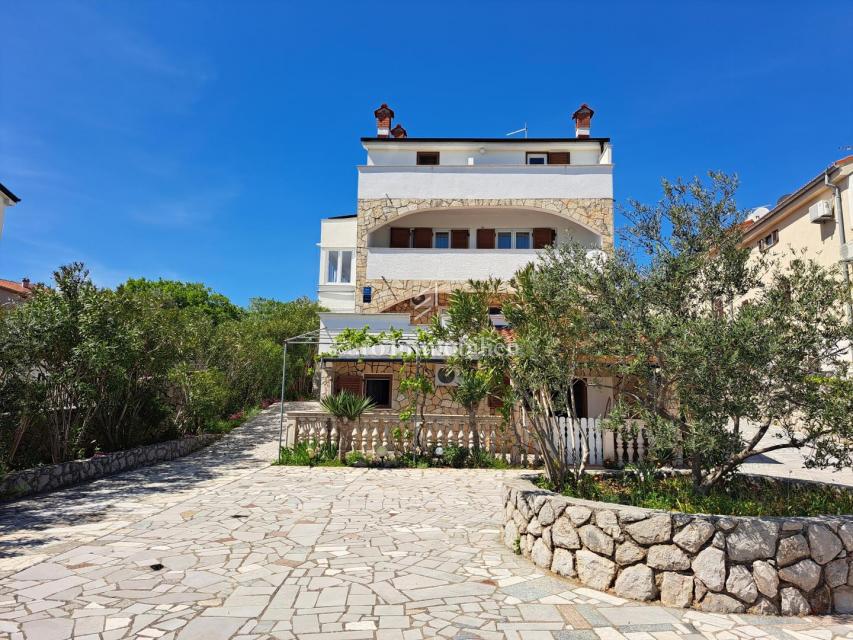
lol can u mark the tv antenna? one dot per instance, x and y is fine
(522, 130)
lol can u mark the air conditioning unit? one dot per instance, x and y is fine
(847, 252)
(445, 377)
(820, 212)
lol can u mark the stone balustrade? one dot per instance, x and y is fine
(723, 564)
(50, 477)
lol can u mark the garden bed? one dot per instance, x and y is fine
(728, 564)
(742, 495)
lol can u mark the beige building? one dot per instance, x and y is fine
(7, 199)
(816, 220)
(14, 293)
(434, 213)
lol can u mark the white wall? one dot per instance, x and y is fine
(338, 233)
(473, 219)
(338, 298)
(528, 181)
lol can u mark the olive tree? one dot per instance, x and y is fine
(722, 352)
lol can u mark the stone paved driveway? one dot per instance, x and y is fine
(221, 545)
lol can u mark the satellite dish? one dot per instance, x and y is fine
(758, 213)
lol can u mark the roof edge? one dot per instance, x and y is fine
(487, 140)
(15, 199)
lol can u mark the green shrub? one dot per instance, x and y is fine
(309, 454)
(742, 495)
(356, 459)
(454, 456)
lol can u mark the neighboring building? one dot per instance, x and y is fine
(7, 199)
(815, 220)
(433, 213)
(14, 293)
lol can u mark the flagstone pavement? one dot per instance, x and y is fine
(221, 545)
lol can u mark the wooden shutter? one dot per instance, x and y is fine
(459, 239)
(422, 238)
(543, 237)
(559, 157)
(350, 383)
(485, 238)
(399, 238)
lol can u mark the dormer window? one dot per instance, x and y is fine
(771, 239)
(428, 157)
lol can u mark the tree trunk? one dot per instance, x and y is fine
(472, 423)
(343, 438)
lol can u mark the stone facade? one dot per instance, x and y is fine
(788, 566)
(51, 477)
(440, 402)
(595, 214)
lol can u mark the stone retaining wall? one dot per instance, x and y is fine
(792, 566)
(50, 477)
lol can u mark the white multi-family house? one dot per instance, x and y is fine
(433, 213)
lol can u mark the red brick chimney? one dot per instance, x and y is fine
(399, 132)
(25, 283)
(383, 114)
(582, 118)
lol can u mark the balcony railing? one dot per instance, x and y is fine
(446, 264)
(485, 181)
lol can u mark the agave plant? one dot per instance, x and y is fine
(347, 408)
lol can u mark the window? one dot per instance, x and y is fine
(769, 240)
(428, 157)
(441, 240)
(537, 158)
(379, 390)
(510, 239)
(339, 267)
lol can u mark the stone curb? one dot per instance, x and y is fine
(723, 564)
(51, 477)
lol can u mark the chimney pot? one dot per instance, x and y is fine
(25, 283)
(399, 132)
(582, 118)
(384, 114)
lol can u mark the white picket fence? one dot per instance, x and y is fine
(514, 442)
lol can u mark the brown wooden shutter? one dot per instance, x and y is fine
(485, 238)
(543, 237)
(459, 239)
(422, 238)
(496, 401)
(559, 157)
(399, 238)
(350, 383)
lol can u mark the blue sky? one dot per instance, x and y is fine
(205, 140)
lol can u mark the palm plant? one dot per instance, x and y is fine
(474, 386)
(346, 408)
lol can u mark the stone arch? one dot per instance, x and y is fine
(592, 214)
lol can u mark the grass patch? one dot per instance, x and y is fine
(740, 496)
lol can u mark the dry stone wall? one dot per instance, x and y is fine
(54, 476)
(788, 566)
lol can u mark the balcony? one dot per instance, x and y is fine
(446, 264)
(485, 181)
